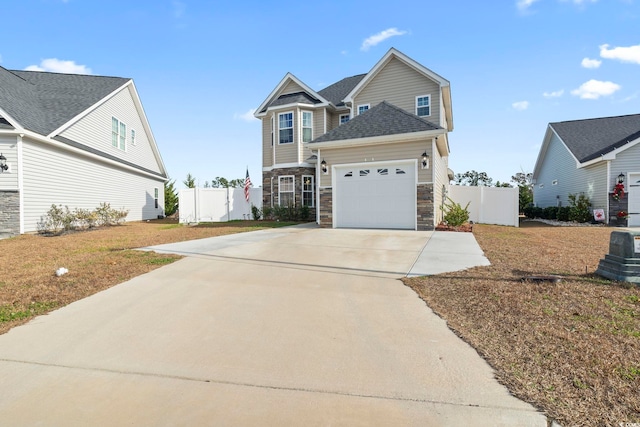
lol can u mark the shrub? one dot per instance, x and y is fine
(563, 213)
(454, 214)
(267, 212)
(255, 212)
(579, 208)
(58, 219)
(550, 212)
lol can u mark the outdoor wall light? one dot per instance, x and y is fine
(425, 160)
(3, 163)
(620, 177)
(323, 166)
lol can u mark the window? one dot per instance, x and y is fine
(344, 118)
(541, 186)
(384, 171)
(400, 171)
(554, 182)
(118, 133)
(307, 126)
(285, 128)
(286, 195)
(364, 172)
(423, 105)
(155, 196)
(133, 137)
(307, 190)
(362, 108)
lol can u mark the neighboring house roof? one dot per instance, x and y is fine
(382, 120)
(336, 92)
(42, 101)
(591, 138)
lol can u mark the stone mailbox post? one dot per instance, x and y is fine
(623, 261)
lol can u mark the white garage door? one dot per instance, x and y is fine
(371, 195)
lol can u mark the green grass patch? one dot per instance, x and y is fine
(11, 312)
(170, 226)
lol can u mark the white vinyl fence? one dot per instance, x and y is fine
(217, 204)
(489, 205)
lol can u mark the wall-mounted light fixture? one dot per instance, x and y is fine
(425, 160)
(3, 163)
(620, 178)
(323, 166)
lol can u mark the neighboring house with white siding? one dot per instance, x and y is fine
(590, 157)
(76, 141)
(370, 151)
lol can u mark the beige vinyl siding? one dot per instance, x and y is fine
(318, 122)
(440, 168)
(399, 84)
(376, 153)
(79, 182)
(291, 87)
(267, 147)
(94, 130)
(8, 148)
(287, 153)
(560, 166)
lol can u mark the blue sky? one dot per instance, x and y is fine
(201, 67)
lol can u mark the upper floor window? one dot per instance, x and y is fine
(118, 133)
(344, 118)
(423, 105)
(307, 126)
(133, 137)
(362, 108)
(285, 128)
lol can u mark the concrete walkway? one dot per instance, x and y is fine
(295, 326)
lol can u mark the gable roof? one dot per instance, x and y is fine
(382, 120)
(336, 92)
(591, 138)
(42, 102)
(312, 94)
(445, 86)
(295, 98)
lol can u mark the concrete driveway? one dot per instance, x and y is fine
(295, 326)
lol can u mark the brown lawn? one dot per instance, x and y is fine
(571, 348)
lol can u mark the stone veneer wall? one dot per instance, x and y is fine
(9, 212)
(326, 207)
(616, 206)
(297, 173)
(425, 211)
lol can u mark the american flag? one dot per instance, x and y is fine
(247, 185)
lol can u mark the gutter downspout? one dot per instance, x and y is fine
(20, 182)
(607, 190)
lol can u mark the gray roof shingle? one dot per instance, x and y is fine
(42, 101)
(336, 92)
(293, 98)
(382, 120)
(589, 139)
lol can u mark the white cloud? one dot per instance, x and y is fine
(520, 105)
(590, 63)
(247, 117)
(179, 9)
(554, 94)
(594, 89)
(60, 66)
(524, 5)
(623, 54)
(380, 37)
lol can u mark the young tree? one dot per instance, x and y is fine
(190, 182)
(525, 187)
(170, 198)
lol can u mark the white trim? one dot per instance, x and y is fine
(19, 148)
(302, 128)
(341, 116)
(288, 77)
(287, 165)
(293, 191)
(379, 140)
(302, 192)
(11, 121)
(416, 105)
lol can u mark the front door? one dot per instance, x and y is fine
(634, 200)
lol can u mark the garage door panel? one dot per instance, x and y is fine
(376, 196)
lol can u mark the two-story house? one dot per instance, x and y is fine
(74, 140)
(370, 151)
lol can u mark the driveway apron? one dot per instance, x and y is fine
(292, 326)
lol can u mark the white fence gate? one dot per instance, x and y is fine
(489, 205)
(217, 204)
